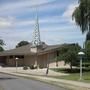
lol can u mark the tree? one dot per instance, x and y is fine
(88, 36)
(22, 43)
(82, 15)
(68, 53)
(1, 44)
(1, 49)
(87, 49)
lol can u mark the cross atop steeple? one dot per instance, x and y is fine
(36, 34)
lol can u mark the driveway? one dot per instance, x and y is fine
(9, 82)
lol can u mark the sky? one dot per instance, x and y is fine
(17, 21)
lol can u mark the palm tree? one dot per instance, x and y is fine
(88, 36)
(82, 15)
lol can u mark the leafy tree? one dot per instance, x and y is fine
(68, 53)
(22, 43)
(87, 49)
(1, 49)
(1, 44)
(88, 36)
(82, 15)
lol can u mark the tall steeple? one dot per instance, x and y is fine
(36, 34)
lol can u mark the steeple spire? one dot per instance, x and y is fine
(36, 34)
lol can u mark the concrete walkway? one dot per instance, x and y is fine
(75, 85)
(32, 72)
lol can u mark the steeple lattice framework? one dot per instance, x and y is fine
(36, 34)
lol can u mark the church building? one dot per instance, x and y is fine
(36, 53)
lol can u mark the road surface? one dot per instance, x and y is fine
(9, 82)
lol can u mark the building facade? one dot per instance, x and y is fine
(26, 56)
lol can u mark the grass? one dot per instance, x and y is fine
(74, 74)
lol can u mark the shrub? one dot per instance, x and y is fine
(35, 67)
(32, 67)
(40, 66)
(25, 67)
(86, 64)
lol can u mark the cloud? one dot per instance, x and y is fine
(20, 5)
(25, 23)
(6, 22)
(12, 37)
(69, 11)
(27, 6)
(44, 21)
(11, 22)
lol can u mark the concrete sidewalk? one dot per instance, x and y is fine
(41, 72)
(75, 85)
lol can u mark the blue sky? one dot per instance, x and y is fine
(17, 20)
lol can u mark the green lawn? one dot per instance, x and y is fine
(74, 74)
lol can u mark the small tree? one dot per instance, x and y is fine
(68, 53)
(1, 44)
(1, 49)
(22, 43)
(87, 49)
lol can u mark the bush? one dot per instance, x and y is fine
(86, 64)
(41, 67)
(32, 67)
(35, 67)
(25, 67)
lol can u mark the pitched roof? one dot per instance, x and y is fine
(25, 50)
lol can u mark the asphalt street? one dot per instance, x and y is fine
(9, 82)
